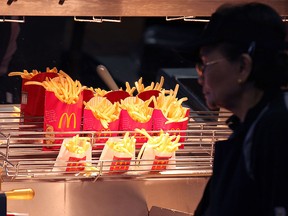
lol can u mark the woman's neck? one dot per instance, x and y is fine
(248, 100)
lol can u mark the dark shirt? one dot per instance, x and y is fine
(253, 183)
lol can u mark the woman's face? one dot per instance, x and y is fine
(219, 79)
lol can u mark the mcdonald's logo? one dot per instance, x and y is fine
(175, 131)
(68, 120)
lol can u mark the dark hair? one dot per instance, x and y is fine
(256, 29)
(269, 69)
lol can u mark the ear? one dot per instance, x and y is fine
(246, 63)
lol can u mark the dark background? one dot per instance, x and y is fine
(130, 49)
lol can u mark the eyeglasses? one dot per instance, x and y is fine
(201, 67)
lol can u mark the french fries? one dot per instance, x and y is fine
(171, 106)
(64, 88)
(138, 109)
(28, 75)
(78, 145)
(164, 142)
(89, 89)
(52, 70)
(81, 162)
(103, 110)
(129, 89)
(16, 111)
(140, 86)
(90, 170)
(125, 145)
(100, 92)
(25, 74)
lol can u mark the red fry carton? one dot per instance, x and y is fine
(116, 96)
(135, 113)
(128, 124)
(146, 95)
(90, 123)
(87, 94)
(32, 97)
(159, 123)
(60, 117)
(101, 116)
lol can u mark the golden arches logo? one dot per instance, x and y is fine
(175, 131)
(105, 133)
(68, 120)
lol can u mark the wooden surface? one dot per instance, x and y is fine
(123, 8)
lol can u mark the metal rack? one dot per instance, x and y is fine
(23, 157)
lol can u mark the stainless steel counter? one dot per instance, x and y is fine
(108, 198)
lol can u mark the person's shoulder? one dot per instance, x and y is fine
(277, 112)
(279, 103)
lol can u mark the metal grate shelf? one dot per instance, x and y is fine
(23, 157)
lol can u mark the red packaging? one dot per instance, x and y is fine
(116, 96)
(160, 163)
(90, 123)
(146, 95)
(159, 124)
(32, 98)
(153, 161)
(87, 95)
(75, 164)
(60, 117)
(120, 164)
(128, 124)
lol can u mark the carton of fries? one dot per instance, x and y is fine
(74, 155)
(146, 93)
(158, 153)
(140, 88)
(169, 114)
(60, 117)
(176, 127)
(117, 154)
(33, 94)
(101, 116)
(116, 96)
(135, 113)
(88, 93)
(62, 107)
